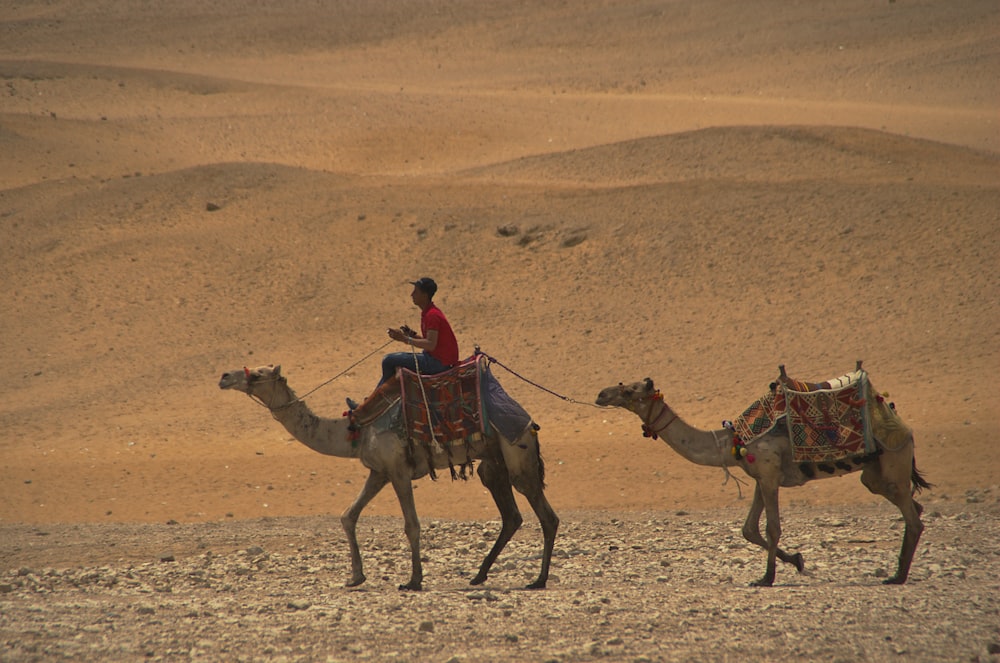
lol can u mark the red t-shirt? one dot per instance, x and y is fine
(446, 351)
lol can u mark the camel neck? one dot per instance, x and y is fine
(698, 446)
(658, 418)
(326, 436)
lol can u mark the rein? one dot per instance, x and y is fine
(491, 359)
(299, 399)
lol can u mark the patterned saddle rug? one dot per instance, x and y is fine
(455, 407)
(826, 421)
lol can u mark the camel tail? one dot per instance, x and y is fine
(895, 434)
(918, 480)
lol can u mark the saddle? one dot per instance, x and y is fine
(842, 382)
(826, 421)
(460, 406)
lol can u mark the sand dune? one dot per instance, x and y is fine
(700, 192)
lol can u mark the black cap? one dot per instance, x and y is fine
(427, 285)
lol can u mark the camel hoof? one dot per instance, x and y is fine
(354, 582)
(763, 582)
(412, 586)
(478, 580)
(800, 564)
(538, 584)
(895, 580)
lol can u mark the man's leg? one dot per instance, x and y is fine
(395, 360)
(429, 365)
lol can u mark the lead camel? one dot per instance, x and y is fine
(502, 464)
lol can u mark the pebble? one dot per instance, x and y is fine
(612, 594)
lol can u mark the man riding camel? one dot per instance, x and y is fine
(436, 340)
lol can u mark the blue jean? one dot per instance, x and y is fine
(428, 364)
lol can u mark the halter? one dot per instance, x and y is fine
(652, 428)
(256, 379)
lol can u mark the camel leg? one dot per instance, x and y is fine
(411, 525)
(898, 492)
(911, 537)
(751, 532)
(496, 479)
(773, 528)
(349, 520)
(549, 521)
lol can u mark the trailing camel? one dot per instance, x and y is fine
(502, 463)
(890, 470)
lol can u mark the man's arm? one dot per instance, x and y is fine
(429, 343)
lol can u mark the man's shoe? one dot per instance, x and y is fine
(352, 404)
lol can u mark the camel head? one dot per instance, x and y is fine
(628, 396)
(243, 379)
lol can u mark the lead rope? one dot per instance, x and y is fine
(493, 360)
(430, 422)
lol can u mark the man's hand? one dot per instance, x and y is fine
(403, 334)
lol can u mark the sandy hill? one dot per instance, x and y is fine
(691, 191)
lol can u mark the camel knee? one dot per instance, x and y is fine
(490, 474)
(514, 521)
(412, 530)
(892, 492)
(527, 487)
(773, 533)
(912, 517)
(348, 521)
(877, 485)
(870, 482)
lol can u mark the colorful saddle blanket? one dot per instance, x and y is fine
(826, 421)
(450, 408)
(446, 407)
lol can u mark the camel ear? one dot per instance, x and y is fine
(649, 384)
(277, 371)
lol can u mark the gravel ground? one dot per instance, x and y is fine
(663, 586)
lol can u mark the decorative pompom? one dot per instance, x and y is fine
(750, 458)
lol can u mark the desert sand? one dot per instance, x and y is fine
(695, 192)
(700, 192)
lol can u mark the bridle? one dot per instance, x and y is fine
(651, 427)
(253, 378)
